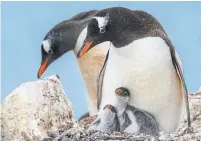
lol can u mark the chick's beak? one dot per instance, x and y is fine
(85, 47)
(117, 91)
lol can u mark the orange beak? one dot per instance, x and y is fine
(42, 68)
(117, 91)
(85, 48)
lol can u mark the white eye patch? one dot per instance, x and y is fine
(102, 22)
(47, 46)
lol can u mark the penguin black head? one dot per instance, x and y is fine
(97, 32)
(120, 26)
(62, 38)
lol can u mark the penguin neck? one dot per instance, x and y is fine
(89, 65)
(120, 106)
(80, 40)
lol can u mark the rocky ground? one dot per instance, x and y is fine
(182, 134)
(41, 111)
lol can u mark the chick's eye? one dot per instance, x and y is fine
(125, 93)
(149, 124)
(114, 110)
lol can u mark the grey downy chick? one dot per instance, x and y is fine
(123, 96)
(143, 121)
(106, 121)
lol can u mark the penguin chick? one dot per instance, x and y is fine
(106, 121)
(145, 122)
(122, 96)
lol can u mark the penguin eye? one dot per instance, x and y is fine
(50, 51)
(47, 46)
(102, 30)
(149, 124)
(125, 93)
(114, 110)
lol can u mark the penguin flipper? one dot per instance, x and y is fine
(84, 116)
(100, 80)
(179, 69)
(127, 122)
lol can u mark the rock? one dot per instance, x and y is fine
(183, 133)
(86, 122)
(35, 108)
(4, 130)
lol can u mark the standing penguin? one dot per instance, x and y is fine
(107, 121)
(132, 119)
(67, 36)
(142, 59)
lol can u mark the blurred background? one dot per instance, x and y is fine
(24, 25)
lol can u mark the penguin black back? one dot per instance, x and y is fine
(122, 26)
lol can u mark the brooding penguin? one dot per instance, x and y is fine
(132, 119)
(142, 59)
(67, 36)
(106, 121)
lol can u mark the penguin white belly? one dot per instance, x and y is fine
(134, 127)
(145, 67)
(94, 60)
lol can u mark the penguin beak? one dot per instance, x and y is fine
(43, 67)
(117, 91)
(85, 47)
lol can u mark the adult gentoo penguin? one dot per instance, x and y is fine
(142, 59)
(69, 35)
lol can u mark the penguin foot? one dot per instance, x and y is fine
(187, 130)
